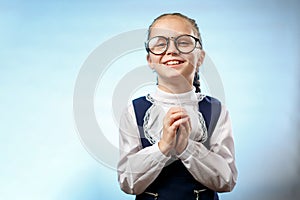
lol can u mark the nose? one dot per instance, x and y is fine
(171, 50)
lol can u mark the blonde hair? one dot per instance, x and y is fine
(190, 20)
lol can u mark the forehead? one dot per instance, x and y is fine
(171, 26)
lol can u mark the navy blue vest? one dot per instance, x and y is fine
(175, 182)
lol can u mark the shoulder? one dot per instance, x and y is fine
(208, 99)
(140, 106)
(139, 99)
(143, 101)
(210, 103)
(217, 107)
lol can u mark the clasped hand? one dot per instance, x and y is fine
(176, 131)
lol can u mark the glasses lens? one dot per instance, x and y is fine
(158, 44)
(185, 43)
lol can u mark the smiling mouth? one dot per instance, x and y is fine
(173, 62)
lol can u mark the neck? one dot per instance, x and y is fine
(175, 88)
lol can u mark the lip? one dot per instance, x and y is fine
(173, 62)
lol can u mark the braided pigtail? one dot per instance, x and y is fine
(196, 82)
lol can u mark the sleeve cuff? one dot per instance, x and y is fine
(187, 152)
(193, 148)
(158, 155)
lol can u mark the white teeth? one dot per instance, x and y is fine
(173, 62)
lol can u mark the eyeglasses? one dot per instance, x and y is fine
(184, 44)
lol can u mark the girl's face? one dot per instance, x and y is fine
(174, 66)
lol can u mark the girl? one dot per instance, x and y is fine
(177, 143)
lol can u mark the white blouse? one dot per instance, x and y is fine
(138, 167)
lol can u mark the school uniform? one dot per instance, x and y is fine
(205, 167)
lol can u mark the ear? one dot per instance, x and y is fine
(201, 58)
(149, 61)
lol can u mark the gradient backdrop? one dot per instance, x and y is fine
(254, 45)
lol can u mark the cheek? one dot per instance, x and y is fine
(193, 60)
(153, 59)
(153, 62)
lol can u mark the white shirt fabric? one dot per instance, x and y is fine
(138, 167)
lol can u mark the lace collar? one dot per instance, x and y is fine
(153, 118)
(161, 96)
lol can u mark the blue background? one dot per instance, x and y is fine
(254, 44)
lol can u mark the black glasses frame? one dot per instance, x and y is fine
(175, 42)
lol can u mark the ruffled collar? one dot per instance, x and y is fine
(177, 99)
(154, 117)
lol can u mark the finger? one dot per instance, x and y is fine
(188, 127)
(177, 116)
(170, 119)
(185, 127)
(190, 124)
(176, 109)
(181, 121)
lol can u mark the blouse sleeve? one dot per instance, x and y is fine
(215, 167)
(137, 167)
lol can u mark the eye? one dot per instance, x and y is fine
(157, 42)
(160, 44)
(183, 43)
